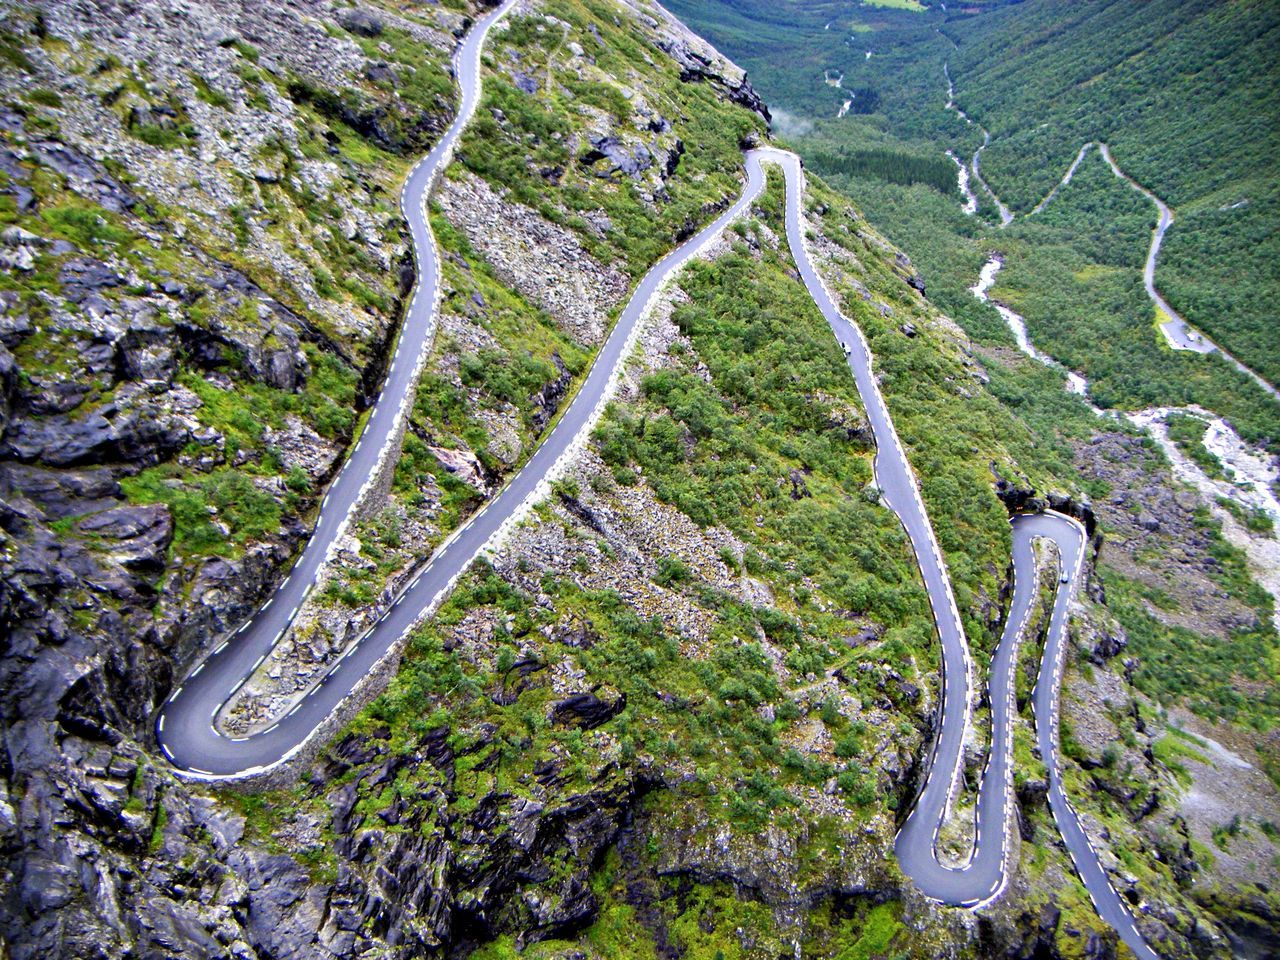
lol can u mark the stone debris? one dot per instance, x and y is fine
(544, 262)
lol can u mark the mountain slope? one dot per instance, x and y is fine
(682, 708)
(203, 209)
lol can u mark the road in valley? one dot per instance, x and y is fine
(1177, 332)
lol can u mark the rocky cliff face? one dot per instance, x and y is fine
(201, 272)
(180, 373)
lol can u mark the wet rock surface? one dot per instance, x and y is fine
(1143, 508)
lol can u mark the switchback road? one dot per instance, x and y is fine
(186, 726)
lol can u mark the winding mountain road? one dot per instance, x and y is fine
(984, 876)
(987, 872)
(186, 727)
(1177, 332)
(187, 723)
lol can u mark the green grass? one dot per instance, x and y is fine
(87, 225)
(911, 5)
(210, 94)
(1187, 432)
(1207, 673)
(250, 513)
(751, 427)
(1171, 750)
(44, 98)
(536, 130)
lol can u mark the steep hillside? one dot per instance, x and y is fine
(682, 708)
(205, 260)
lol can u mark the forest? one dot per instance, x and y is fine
(892, 165)
(1181, 91)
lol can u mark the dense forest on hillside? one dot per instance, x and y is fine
(1183, 93)
(891, 165)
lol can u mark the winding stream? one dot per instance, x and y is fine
(986, 280)
(1252, 481)
(970, 206)
(1006, 216)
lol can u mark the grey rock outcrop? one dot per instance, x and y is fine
(360, 21)
(697, 65)
(540, 259)
(617, 157)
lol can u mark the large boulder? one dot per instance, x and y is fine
(363, 23)
(630, 161)
(141, 534)
(589, 710)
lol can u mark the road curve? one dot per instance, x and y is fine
(1178, 333)
(1070, 538)
(1176, 330)
(1066, 179)
(186, 725)
(984, 877)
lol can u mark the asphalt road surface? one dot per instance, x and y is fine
(986, 873)
(186, 726)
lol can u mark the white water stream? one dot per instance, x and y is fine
(962, 177)
(1252, 484)
(1006, 216)
(986, 280)
(1253, 477)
